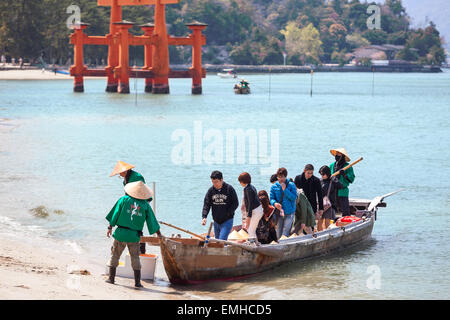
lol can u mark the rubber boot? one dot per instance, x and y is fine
(112, 275)
(137, 279)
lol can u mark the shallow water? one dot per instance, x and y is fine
(57, 150)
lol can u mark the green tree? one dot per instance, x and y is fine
(338, 33)
(376, 36)
(407, 54)
(242, 54)
(303, 42)
(356, 40)
(22, 22)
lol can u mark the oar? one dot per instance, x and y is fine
(178, 228)
(347, 167)
(208, 235)
(262, 250)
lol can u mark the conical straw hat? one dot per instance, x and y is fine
(341, 150)
(243, 234)
(138, 190)
(121, 167)
(234, 235)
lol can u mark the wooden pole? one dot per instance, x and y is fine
(154, 197)
(270, 80)
(373, 81)
(208, 235)
(345, 168)
(311, 91)
(181, 229)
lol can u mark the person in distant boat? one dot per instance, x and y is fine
(312, 189)
(244, 83)
(265, 231)
(125, 171)
(346, 177)
(304, 215)
(252, 207)
(330, 186)
(222, 199)
(129, 214)
(283, 194)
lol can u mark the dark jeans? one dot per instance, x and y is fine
(343, 206)
(221, 231)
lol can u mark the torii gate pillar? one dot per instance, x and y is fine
(113, 48)
(161, 53)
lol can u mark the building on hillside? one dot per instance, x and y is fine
(385, 52)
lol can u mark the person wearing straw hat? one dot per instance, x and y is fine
(125, 171)
(129, 214)
(346, 177)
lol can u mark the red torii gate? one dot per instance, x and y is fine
(156, 70)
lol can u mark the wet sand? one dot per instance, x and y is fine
(29, 271)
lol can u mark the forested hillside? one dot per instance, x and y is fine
(239, 31)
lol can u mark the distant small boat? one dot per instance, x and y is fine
(243, 87)
(62, 72)
(227, 73)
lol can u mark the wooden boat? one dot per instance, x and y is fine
(188, 261)
(243, 87)
(239, 90)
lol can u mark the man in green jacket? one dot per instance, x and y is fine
(346, 177)
(129, 215)
(125, 171)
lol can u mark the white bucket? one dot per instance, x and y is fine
(148, 266)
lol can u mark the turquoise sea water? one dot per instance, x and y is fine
(57, 149)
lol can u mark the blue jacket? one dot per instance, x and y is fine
(290, 195)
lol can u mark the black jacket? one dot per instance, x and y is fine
(223, 203)
(251, 199)
(312, 189)
(335, 185)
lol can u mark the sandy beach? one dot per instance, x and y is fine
(34, 272)
(32, 74)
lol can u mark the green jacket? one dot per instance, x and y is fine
(350, 175)
(131, 213)
(304, 213)
(134, 176)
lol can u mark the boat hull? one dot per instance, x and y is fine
(190, 264)
(242, 90)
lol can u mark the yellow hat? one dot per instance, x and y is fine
(138, 190)
(121, 167)
(341, 150)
